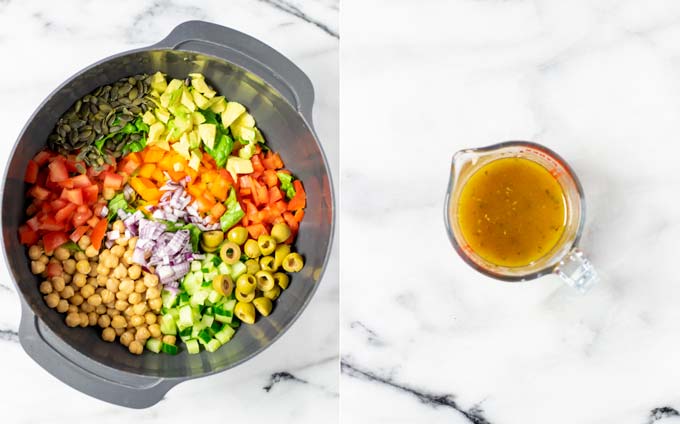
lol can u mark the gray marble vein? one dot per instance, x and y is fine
(293, 10)
(9, 335)
(661, 413)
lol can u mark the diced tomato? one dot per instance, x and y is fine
(98, 208)
(54, 239)
(81, 217)
(74, 165)
(257, 163)
(299, 215)
(290, 220)
(298, 201)
(74, 195)
(90, 194)
(54, 269)
(78, 233)
(256, 230)
(33, 223)
(43, 157)
(260, 193)
(269, 177)
(39, 193)
(58, 171)
(244, 181)
(272, 161)
(57, 204)
(67, 183)
(50, 224)
(98, 234)
(275, 195)
(129, 166)
(92, 222)
(31, 175)
(217, 211)
(81, 181)
(65, 213)
(113, 180)
(27, 235)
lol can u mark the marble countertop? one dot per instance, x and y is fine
(424, 337)
(43, 43)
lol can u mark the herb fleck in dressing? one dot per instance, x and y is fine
(512, 212)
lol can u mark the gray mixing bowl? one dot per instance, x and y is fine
(280, 97)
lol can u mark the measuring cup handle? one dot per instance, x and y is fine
(577, 271)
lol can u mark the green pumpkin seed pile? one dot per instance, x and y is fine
(99, 117)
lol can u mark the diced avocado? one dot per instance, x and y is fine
(245, 133)
(219, 104)
(198, 82)
(258, 135)
(179, 110)
(200, 100)
(237, 165)
(195, 161)
(244, 120)
(198, 118)
(188, 100)
(163, 144)
(155, 132)
(247, 151)
(183, 123)
(194, 140)
(172, 94)
(233, 111)
(158, 82)
(182, 146)
(207, 133)
(163, 115)
(148, 118)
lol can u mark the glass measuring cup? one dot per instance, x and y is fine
(564, 259)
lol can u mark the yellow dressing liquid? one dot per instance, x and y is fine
(512, 212)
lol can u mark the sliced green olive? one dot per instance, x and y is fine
(245, 312)
(282, 280)
(244, 297)
(212, 238)
(281, 232)
(293, 262)
(282, 251)
(223, 284)
(246, 283)
(230, 253)
(263, 305)
(238, 235)
(252, 266)
(272, 294)
(265, 280)
(208, 249)
(267, 263)
(251, 249)
(267, 244)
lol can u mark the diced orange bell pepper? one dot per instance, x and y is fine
(147, 170)
(257, 230)
(153, 155)
(218, 210)
(145, 188)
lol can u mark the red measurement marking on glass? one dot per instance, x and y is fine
(556, 172)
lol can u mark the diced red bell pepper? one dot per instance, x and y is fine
(92, 222)
(27, 235)
(299, 201)
(257, 163)
(31, 175)
(275, 195)
(78, 233)
(256, 230)
(98, 234)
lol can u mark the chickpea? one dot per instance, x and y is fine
(84, 319)
(119, 331)
(153, 293)
(112, 312)
(83, 266)
(44, 259)
(62, 306)
(100, 310)
(35, 252)
(87, 291)
(107, 296)
(126, 285)
(69, 266)
(58, 283)
(46, 287)
(121, 242)
(150, 280)
(72, 309)
(93, 270)
(169, 339)
(93, 317)
(79, 279)
(142, 334)
(117, 251)
(140, 287)
(91, 252)
(112, 284)
(109, 334)
(52, 300)
(150, 317)
(134, 272)
(79, 256)
(122, 295)
(136, 348)
(76, 299)
(62, 253)
(132, 243)
(121, 305)
(37, 267)
(68, 292)
(137, 320)
(120, 272)
(127, 258)
(67, 278)
(134, 298)
(86, 307)
(140, 308)
(102, 270)
(128, 312)
(84, 242)
(111, 261)
(155, 304)
(155, 330)
(119, 226)
(118, 322)
(126, 338)
(95, 300)
(104, 321)
(73, 319)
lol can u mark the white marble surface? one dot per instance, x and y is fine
(41, 44)
(424, 338)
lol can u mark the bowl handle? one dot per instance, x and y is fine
(248, 53)
(78, 371)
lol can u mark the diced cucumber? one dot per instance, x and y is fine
(213, 345)
(175, 314)
(192, 346)
(195, 266)
(206, 284)
(186, 332)
(216, 261)
(207, 320)
(209, 276)
(167, 324)
(229, 305)
(214, 297)
(154, 344)
(186, 317)
(238, 269)
(199, 298)
(168, 298)
(169, 349)
(224, 269)
(216, 326)
(224, 318)
(204, 335)
(225, 334)
(184, 298)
